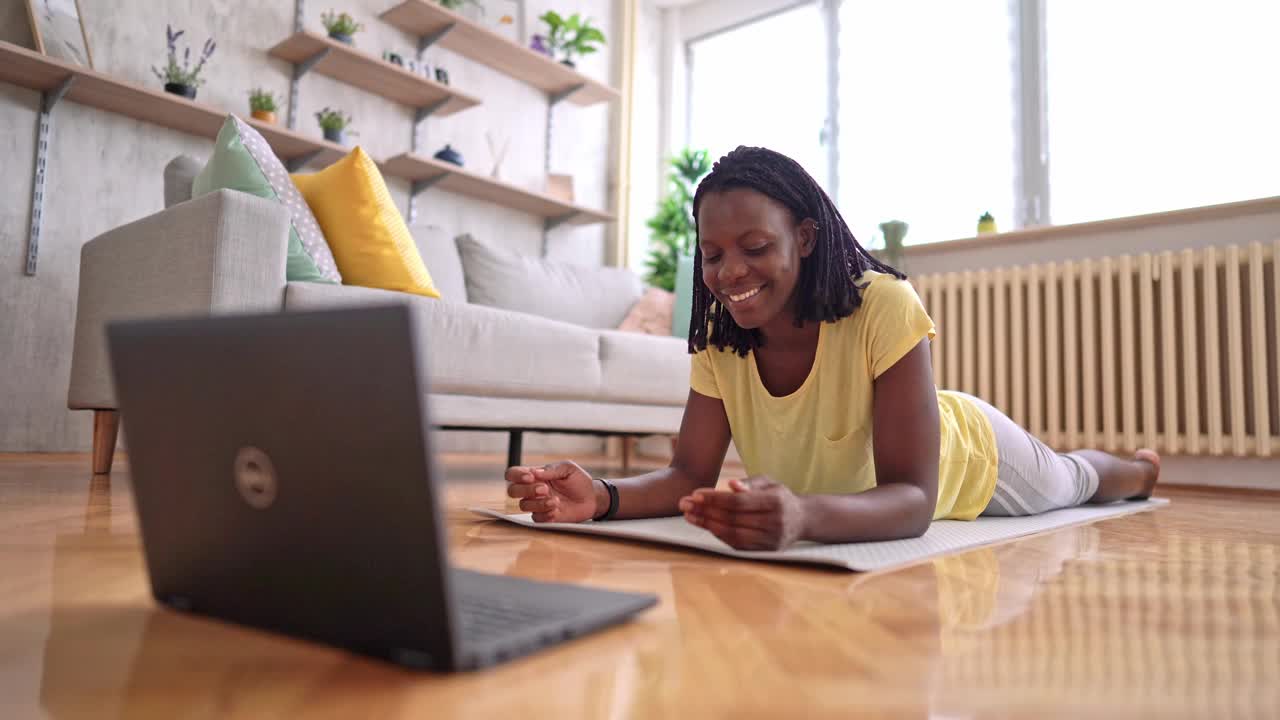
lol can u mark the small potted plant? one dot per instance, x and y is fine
(334, 123)
(341, 26)
(574, 37)
(263, 105)
(182, 79)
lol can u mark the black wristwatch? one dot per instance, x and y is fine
(613, 501)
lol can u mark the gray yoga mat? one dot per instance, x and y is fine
(942, 538)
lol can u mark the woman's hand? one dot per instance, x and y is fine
(759, 513)
(559, 492)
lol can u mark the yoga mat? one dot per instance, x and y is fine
(942, 538)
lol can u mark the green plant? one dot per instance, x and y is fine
(573, 36)
(183, 74)
(261, 100)
(336, 120)
(340, 23)
(672, 231)
(459, 4)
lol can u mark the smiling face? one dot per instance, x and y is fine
(752, 248)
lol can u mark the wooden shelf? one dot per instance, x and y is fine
(360, 69)
(465, 182)
(30, 69)
(474, 41)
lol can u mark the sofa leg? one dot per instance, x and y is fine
(106, 425)
(628, 444)
(515, 447)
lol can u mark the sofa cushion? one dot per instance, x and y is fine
(597, 297)
(647, 369)
(178, 176)
(364, 227)
(475, 350)
(441, 255)
(651, 314)
(243, 161)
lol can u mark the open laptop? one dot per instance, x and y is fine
(284, 479)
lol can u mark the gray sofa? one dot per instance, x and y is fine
(489, 368)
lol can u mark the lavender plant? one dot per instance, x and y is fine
(183, 74)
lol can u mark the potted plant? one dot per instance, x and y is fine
(334, 123)
(573, 37)
(183, 79)
(672, 226)
(263, 105)
(341, 26)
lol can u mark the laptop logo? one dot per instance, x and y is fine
(255, 477)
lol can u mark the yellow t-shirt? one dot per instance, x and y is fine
(817, 440)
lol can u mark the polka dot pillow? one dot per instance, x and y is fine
(243, 161)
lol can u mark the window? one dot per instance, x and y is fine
(926, 116)
(1154, 105)
(763, 84)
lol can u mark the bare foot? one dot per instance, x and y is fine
(1151, 458)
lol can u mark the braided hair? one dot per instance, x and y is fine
(826, 290)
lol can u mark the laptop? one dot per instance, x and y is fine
(284, 479)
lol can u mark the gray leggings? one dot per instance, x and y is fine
(1033, 478)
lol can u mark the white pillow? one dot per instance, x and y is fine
(595, 297)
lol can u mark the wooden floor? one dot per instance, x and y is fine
(1170, 613)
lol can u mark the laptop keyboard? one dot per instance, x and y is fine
(484, 617)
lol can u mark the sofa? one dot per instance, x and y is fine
(544, 358)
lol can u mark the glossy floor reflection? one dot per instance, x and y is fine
(1171, 613)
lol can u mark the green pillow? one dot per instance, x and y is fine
(242, 161)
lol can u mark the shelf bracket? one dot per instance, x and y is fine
(551, 106)
(305, 66)
(555, 222)
(299, 70)
(426, 111)
(48, 100)
(564, 94)
(421, 114)
(551, 224)
(427, 41)
(301, 161)
(417, 188)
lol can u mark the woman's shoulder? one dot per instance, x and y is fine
(882, 291)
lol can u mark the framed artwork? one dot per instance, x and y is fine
(58, 29)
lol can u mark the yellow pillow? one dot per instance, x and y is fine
(368, 237)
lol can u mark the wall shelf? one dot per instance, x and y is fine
(428, 172)
(30, 69)
(358, 68)
(452, 31)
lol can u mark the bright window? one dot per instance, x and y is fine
(763, 84)
(1156, 105)
(926, 116)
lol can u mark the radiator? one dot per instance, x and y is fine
(1177, 351)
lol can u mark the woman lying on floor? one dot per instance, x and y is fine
(814, 358)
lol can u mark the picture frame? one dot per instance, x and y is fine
(58, 30)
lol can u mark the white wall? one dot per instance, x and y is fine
(105, 170)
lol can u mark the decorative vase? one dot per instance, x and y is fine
(342, 38)
(449, 155)
(335, 135)
(895, 235)
(186, 91)
(266, 116)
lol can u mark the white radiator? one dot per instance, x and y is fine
(1176, 351)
